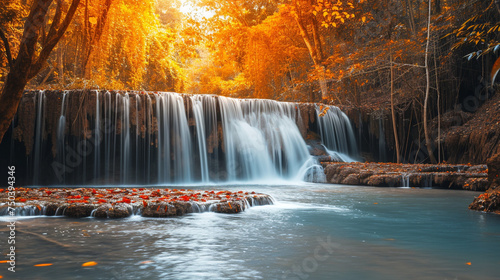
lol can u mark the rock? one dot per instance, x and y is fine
(494, 169)
(351, 179)
(487, 202)
(78, 211)
(232, 207)
(113, 211)
(412, 175)
(490, 200)
(159, 210)
(51, 209)
(123, 202)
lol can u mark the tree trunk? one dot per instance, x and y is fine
(28, 64)
(438, 104)
(60, 65)
(315, 51)
(394, 127)
(411, 17)
(428, 142)
(9, 100)
(17, 78)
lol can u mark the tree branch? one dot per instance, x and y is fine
(53, 40)
(55, 22)
(7, 49)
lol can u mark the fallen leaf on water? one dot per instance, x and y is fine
(375, 203)
(43, 264)
(89, 264)
(468, 263)
(146, 262)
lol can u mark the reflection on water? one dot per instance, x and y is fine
(313, 232)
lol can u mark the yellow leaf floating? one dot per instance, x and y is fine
(43, 264)
(146, 262)
(89, 264)
(468, 263)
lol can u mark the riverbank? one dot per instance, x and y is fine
(124, 202)
(445, 176)
(490, 200)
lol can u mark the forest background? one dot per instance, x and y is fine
(422, 57)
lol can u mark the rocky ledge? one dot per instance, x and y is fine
(466, 177)
(124, 202)
(490, 200)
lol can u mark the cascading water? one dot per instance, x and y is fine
(61, 127)
(200, 132)
(261, 139)
(168, 138)
(337, 134)
(38, 136)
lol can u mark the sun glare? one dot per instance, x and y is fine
(189, 8)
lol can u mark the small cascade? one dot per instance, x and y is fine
(200, 132)
(40, 117)
(105, 137)
(261, 139)
(174, 140)
(61, 128)
(124, 127)
(337, 134)
(97, 137)
(405, 180)
(108, 166)
(25, 210)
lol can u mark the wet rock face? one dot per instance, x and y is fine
(160, 210)
(120, 203)
(78, 211)
(494, 169)
(490, 200)
(477, 139)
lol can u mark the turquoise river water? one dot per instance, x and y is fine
(312, 232)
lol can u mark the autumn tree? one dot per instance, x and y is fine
(35, 47)
(312, 15)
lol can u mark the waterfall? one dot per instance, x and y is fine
(97, 137)
(169, 138)
(200, 132)
(261, 139)
(61, 127)
(38, 137)
(337, 134)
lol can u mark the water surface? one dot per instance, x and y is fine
(312, 232)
